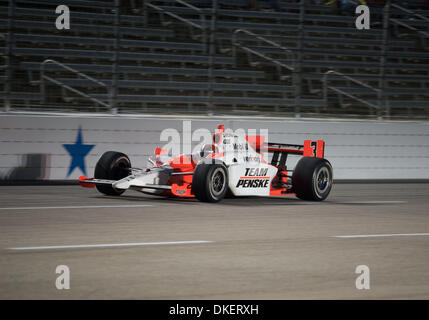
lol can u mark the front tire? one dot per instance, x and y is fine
(112, 166)
(210, 182)
(312, 179)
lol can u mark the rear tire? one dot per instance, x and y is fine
(312, 179)
(112, 166)
(210, 182)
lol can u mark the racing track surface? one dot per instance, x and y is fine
(257, 248)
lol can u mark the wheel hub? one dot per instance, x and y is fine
(218, 182)
(323, 180)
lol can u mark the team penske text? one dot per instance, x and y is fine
(254, 178)
(253, 183)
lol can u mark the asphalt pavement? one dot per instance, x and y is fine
(141, 247)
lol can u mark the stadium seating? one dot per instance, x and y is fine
(164, 65)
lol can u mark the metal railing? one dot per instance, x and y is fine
(415, 14)
(277, 62)
(64, 87)
(162, 11)
(340, 92)
(258, 48)
(3, 56)
(422, 34)
(4, 66)
(289, 53)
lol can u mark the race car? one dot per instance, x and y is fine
(231, 166)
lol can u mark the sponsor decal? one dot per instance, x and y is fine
(229, 135)
(240, 146)
(254, 183)
(254, 178)
(256, 172)
(252, 158)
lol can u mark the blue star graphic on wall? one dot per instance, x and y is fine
(78, 151)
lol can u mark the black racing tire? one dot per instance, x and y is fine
(312, 179)
(210, 182)
(229, 194)
(112, 166)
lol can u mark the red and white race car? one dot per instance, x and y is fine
(232, 165)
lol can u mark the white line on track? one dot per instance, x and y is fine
(294, 202)
(383, 235)
(79, 207)
(373, 202)
(112, 245)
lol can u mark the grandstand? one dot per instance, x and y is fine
(171, 57)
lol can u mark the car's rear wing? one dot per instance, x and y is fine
(310, 148)
(280, 151)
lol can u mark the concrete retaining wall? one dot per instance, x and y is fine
(33, 146)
